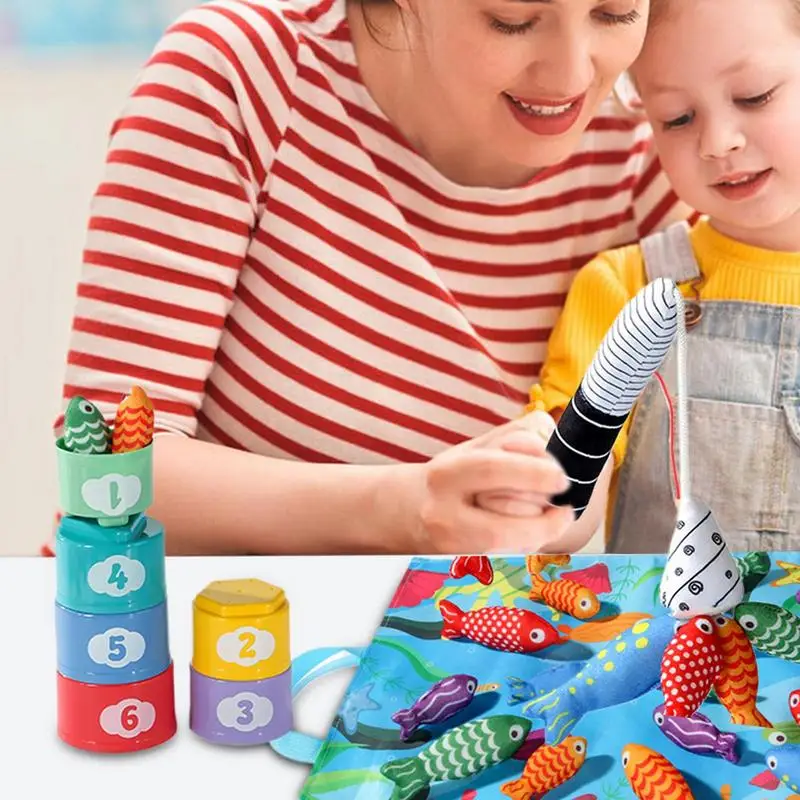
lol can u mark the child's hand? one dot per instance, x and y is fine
(491, 493)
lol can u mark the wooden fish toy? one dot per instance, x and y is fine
(133, 424)
(85, 430)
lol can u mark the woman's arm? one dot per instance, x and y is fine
(215, 499)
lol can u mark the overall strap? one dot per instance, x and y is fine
(668, 254)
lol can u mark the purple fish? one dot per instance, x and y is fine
(697, 734)
(443, 700)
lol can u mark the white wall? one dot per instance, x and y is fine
(54, 121)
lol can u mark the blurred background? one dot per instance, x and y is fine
(66, 67)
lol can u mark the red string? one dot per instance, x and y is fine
(671, 416)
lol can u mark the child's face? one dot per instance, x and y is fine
(720, 81)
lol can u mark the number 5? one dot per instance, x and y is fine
(116, 648)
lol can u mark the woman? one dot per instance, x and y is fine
(331, 241)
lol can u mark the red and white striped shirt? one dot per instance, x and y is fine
(284, 274)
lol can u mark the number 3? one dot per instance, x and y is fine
(247, 707)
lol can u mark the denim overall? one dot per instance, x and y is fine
(743, 386)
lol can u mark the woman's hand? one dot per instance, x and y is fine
(491, 493)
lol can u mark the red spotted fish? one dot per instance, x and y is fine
(513, 630)
(691, 664)
(547, 769)
(461, 753)
(85, 430)
(794, 705)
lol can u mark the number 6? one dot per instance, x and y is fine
(129, 718)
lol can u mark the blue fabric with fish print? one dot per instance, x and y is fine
(599, 681)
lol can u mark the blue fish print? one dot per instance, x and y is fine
(628, 667)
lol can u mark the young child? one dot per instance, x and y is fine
(720, 83)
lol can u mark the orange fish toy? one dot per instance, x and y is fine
(133, 424)
(565, 595)
(690, 666)
(736, 684)
(652, 776)
(547, 768)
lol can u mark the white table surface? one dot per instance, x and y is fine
(334, 601)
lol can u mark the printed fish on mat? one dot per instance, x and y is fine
(133, 423)
(771, 629)
(783, 766)
(652, 776)
(697, 734)
(565, 595)
(691, 664)
(624, 670)
(513, 630)
(462, 752)
(443, 700)
(736, 685)
(85, 430)
(479, 567)
(547, 769)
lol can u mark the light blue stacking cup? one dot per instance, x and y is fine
(110, 570)
(112, 648)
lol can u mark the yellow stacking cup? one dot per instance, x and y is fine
(241, 631)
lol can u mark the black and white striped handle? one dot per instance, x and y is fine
(628, 357)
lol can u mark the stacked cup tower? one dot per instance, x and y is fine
(115, 683)
(240, 675)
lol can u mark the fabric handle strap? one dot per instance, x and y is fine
(306, 668)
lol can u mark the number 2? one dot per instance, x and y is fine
(247, 707)
(248, 640)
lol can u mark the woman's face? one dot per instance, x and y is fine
(523, 78)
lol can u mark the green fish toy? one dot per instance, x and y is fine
(771, 629)
(754, 567)
(462, 752)
(85, 430)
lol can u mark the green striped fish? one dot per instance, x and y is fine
(753, 567)
(462, 752)
(85, 430)
(771, 629)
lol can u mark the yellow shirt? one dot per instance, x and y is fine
(731, 271)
